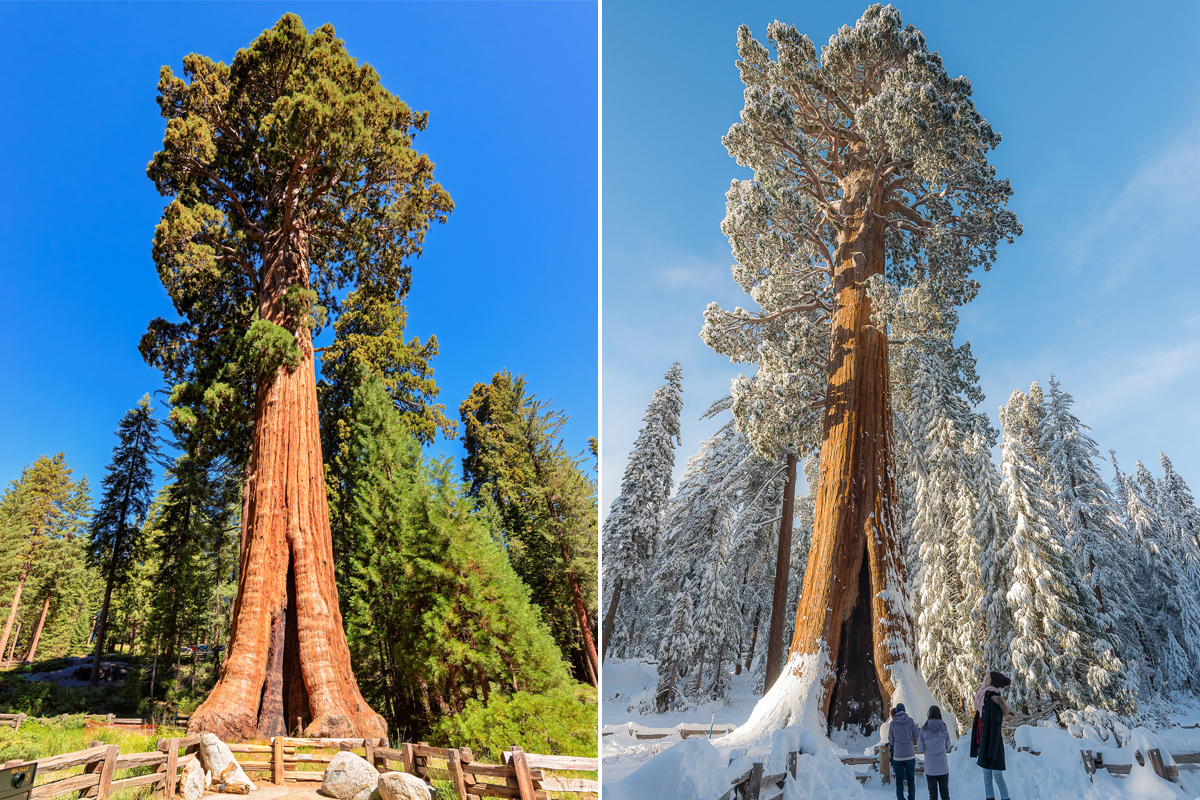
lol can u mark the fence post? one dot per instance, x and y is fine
(369, 751)
(754, 787)
(524, 779)
(885, 766)
(381, 763)
(410, 761)
(172, 767)
(106, 772)
(457, 779)
(791, 765)
(277, 760)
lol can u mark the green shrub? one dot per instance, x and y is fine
(556, 722)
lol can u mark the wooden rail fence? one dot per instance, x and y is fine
(753, 784)
(524, 775)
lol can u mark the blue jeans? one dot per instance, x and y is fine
(906, 770)
(987, 784)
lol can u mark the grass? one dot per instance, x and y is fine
(37, 740)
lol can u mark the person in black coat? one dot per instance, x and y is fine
(987, 742)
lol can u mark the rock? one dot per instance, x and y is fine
(402, 786)
(191, 782)
(350, 777)
(227, 774)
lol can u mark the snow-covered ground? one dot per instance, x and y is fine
(675, 768)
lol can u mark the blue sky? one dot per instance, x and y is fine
(1097, 103)
(508, 282)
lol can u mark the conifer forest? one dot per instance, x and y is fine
(296, 530)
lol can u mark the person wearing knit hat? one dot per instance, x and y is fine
(902, 738)
(987, 742)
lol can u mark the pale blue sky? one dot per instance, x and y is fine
(1097, 103)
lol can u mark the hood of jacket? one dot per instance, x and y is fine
(935, 726)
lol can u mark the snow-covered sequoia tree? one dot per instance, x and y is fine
(868, 159)
(633, 528)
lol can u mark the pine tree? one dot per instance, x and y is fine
(1170, 613)
(437, 615)
(54, 509)
(939, 587)
(546, 506)
(675, 653)
(633, 528)
(291, 175)
(116, 530)
(1053, 653)
(370, 338)
(1088, 513)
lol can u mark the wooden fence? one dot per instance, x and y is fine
(753, 785)
(524, 775)
(101, 764)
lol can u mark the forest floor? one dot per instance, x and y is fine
(702, 771)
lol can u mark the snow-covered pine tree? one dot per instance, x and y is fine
(939, 595)
(1055, 616)
(1177, 508)
(675, 653)
(992, 530)
(1091, 518)
(1170, 616)
(718, 621)
(633, 528)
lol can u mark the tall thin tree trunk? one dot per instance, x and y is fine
(153, 671)
(286, 539)
(753, 637)
(853, 606)
(16, 601)
(610, 617)
(13, 645)
(585, 624)
(783, 559)
(37, 634)
(101, 623)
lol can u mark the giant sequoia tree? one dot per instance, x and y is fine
(291, 175)
(869, 163)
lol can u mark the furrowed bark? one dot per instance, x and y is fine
(782, 564)
(852, 602)
(286, 522)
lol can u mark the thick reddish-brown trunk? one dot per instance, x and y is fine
(853, 602)
(16, 602)
(783, 558)
(37, 634)
(585, 625)
(287, 582)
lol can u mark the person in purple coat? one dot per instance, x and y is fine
(902, 738)
(934, 741)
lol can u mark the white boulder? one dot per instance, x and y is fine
(403, 786)
(191, 781)
(227, 775)
(349, 777)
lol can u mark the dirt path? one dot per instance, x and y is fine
(289, 791)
